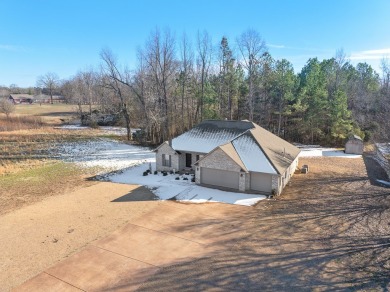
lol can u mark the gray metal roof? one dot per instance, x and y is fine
(258, 149)
(210, 134)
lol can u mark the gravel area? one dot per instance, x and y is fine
(328, 231)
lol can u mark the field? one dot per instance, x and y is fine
(51, 113)
(28, 170)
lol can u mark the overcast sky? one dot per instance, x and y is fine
(38, 36)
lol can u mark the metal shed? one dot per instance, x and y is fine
(354, 145)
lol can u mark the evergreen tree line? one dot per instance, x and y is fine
(177, 84)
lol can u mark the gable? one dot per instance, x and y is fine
(219, 159)
(165, 148)
(251, 154)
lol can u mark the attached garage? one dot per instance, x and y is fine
(220, 178)
(261, 182)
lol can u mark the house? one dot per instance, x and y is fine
(43, 98)
(238, 155)
(354, 145)
(21, 98)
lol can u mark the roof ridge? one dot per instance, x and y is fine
(239, 135)
(238, 154)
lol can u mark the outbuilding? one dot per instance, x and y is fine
(354, 145)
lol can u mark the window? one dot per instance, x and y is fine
(197, 157)
(166, 160)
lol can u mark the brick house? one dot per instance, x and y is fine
(237, 155)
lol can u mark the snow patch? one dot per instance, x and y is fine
(110, 155)
(167, 187)
(328, 152)
(108, 130)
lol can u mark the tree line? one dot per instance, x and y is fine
(177, 83)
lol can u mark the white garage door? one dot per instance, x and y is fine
(261, 182)
(221, 178)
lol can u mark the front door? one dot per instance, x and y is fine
(188, 159)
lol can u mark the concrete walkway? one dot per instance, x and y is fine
(123, 261)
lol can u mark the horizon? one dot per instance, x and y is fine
(66, 37)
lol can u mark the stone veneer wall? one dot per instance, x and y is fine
(168, 150)
(197, 174)
(219, 160)
(275, 184)
(242, 183)
(277, 179)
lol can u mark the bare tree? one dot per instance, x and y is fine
(385, 66)
(116, 82)
(186, 70)
(204, 50)
(49, 81)
(6, 107)
(159, 55)
(252, 47)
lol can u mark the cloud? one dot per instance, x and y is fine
(276, 46)
(370, 54)
(12, 48)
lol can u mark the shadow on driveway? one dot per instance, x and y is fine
(139, 194)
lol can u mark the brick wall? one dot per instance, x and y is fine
(167, 150)
(219, 160)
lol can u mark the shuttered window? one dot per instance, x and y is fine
(166, 160)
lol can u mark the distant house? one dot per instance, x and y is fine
(354, 145)
(238, 155)
(21, 98)
(43, 98)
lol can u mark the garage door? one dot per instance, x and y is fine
(261, 182)
(221, 178)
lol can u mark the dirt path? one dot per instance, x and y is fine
(37, 236)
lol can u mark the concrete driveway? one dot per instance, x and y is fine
(170, 234)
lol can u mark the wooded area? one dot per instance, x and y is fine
(176, 84)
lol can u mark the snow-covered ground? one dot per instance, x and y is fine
(118, 131)
(320, 151)
(106, 154)
(131, 161)
(167, 187)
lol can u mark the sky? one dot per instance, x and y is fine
(66, 36)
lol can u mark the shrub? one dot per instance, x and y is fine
(155, 172)
(6, 107)
(145, 173)
(177, 178)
